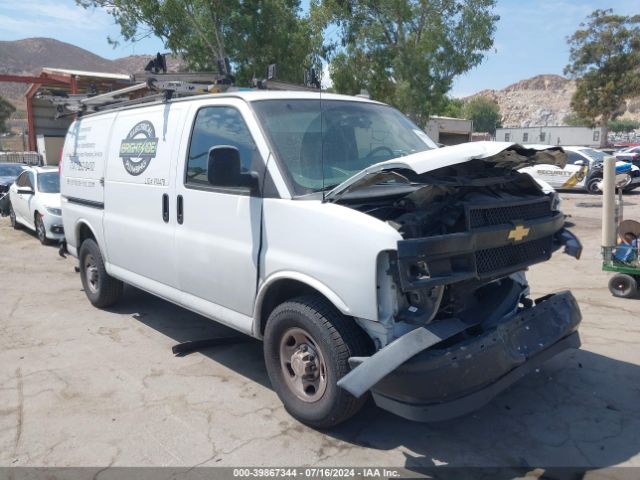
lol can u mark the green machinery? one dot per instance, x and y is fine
(620, 238)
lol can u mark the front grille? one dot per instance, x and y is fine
(497, 215)
(493, 260)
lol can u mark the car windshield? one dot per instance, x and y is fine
(49, 182)
(10, 170)
(596, 155)
(319, 152)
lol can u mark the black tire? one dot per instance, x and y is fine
(336, 338)
(592, 185)
(623, 286)
(41, 231)
(101, 289)
(12, 218)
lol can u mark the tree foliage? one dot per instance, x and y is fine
(623, 125)
(452, 107)
(575, 120)
(6, 110)
(604, 59)
(252, 33)
(485, 114)
(406, 52)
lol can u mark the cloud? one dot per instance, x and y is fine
(45, 18)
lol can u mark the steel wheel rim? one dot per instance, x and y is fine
(40, 229)
(91, 273)
(303, 366)
(622, 285)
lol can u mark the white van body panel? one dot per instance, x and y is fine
(137, 238)
(85, 151)
(335, 246)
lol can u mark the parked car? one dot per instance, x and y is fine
(8, 174)
(630, 154)
(363, 256)
(583, 171)
(35, 203)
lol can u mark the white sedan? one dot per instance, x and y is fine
(35, 203)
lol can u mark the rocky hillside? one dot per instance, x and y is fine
(541, 100)
(28, 56)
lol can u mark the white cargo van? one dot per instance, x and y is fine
(332, 228)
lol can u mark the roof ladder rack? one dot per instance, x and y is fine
(69, 104)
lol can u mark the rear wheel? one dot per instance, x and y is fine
(623, 286)
(12, 218)
(593, 185)
(307, 345)
(101, 289)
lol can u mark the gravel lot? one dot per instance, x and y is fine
(85, 387)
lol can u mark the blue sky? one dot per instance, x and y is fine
(530, 38)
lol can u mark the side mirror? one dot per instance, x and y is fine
(25, 190)
(224, 169)
(579, 162)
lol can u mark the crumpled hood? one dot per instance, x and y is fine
(502, 154)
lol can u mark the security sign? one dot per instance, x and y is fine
(139, 148)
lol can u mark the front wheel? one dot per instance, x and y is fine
(41, 231)
(623, 286)
(101, 289)
(307, 345)
(593, 185)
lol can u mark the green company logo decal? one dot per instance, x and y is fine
(139, 148)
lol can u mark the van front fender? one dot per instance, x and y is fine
(275, 278)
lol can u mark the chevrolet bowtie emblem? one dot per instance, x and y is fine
(518, 233)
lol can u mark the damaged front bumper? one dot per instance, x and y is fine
(466, 367)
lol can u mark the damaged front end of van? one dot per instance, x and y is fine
(455, 322)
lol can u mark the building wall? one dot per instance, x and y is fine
(555, 135)
(449, 131)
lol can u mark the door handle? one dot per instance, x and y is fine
(180, 210)
(165, 208)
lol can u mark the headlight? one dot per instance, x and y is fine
(54, 211)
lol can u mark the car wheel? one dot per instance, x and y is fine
(101, 289)
(41, 230)
(623, 286)
(13, 219)
(307, 345)
(592, 186)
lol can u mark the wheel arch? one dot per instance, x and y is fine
(287, 285)
(84, 231)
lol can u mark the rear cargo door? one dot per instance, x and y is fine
(139, 224)
(85, 151)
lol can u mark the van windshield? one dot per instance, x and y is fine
(49, 182)
(319, 152)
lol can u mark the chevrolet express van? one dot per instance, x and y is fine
(333, 229)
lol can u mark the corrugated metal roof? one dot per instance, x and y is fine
(83, 73)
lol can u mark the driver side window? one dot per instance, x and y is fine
(24, 180)
(573, 157)
(216, 126)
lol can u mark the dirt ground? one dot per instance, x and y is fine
(85, 387)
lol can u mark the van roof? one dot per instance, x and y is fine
(248, 96)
